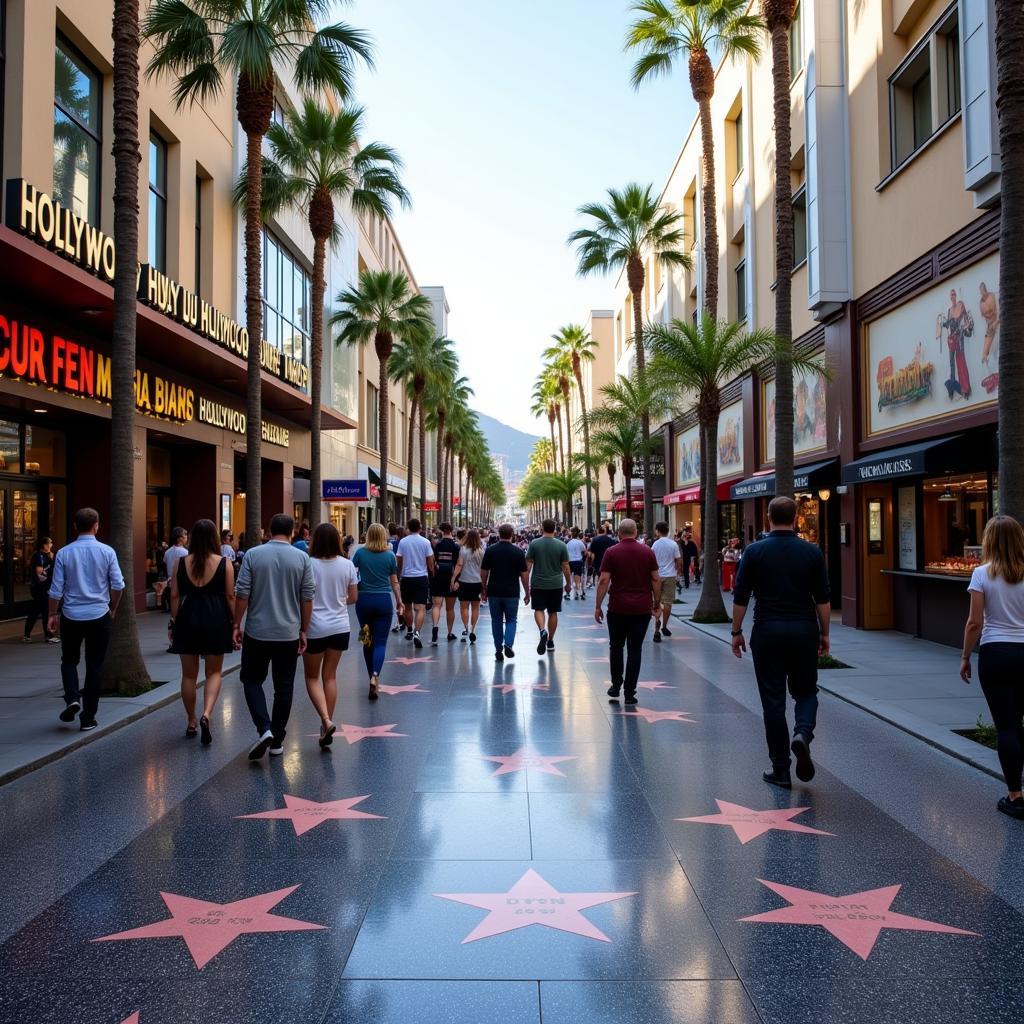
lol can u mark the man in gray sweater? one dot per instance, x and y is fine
(274, 593)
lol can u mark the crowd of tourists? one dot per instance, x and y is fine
(289, 596)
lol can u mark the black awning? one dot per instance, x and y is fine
(911, 460)
(805, 478)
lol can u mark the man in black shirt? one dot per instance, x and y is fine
(598, 546)
(501, 572)
(788, 577)
(446, 556)
(691, 554)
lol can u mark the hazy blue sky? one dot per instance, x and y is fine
(509, 115)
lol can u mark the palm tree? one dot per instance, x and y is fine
(545, 403)
(126, 668)
(1010, 109)
(199, 43)
(625, 231)
(699, 360)
(667, 31)
(451, 393)
(621, 441)
(383, 309)
(581, 348)
(560, 366)
(315, 160)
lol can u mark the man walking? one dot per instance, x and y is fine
(446, 555)
(178, 548)
(791, 623)
(274, 592)
(87, 586)
(501, 572)
(577, 552)
(630, 569)
(415, 567)
(548, 560)
(691, 556)
(598, 546)
(670, 563)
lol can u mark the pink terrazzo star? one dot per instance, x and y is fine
(209, 928)
(509, 687)
(394, 691)
(307, 814)
(133, 1019)
(408, 661)
(525, 758)
(749, 824)
(355, 733)
(856, 920)
(534, 901)
(660, 716)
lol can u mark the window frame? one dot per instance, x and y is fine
(372, 417)
(158, 195)
(800, 195)
(796, 44)
(288, 265)
(737, 144)
(61, 42)
(740, 279)
(199, 235)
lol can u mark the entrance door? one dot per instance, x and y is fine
(876, 548)
(19, 531)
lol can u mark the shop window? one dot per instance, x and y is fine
(45, 451)
(157, 202)
(956, 509)
(799, 227)
(286, 290)
(158, 467)
(76, 134)
(199, 236)
(741, 291)
(796, 45)
(10, 447)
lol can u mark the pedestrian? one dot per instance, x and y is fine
(446, 555)
(548, 560)
(86, 586)
(599, 546)
(997, 617)
(336, 588)
(670, 565)
(202, 612)
(175, 550)
(731, 555)
(274, 594)
(467, 579)
(691, 559)
(577, 553)
(502, 571)
(378, 584)
(227, 548)
(792, 616)
(630, 570)
(40, 568)
(415, 567)
(301, 538)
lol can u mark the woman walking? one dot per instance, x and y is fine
(997, 616)
(202, 608)
(378, 599)
(41, 568)
(328, 633)
(467, 579)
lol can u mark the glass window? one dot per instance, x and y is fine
(157, 202)
(199, 235)
(44, 451)
(372, 418)
(799, 227)
(741, 291)
(76, 134)
(796, 45)
(956, 509)
(738, 135)
(286, 287)
(10, 447)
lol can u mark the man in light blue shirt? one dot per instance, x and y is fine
(86, 586)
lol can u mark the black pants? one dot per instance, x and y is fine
(39, 610)
(1001, 674)
(95, 635)
(626, 631)
(786, 657)
(280, 658)
(687, 562)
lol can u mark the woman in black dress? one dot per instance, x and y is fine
(202, 606)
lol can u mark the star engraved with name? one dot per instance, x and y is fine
(748, 823)
(307, 814)
(525, 758)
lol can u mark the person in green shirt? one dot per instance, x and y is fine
(548, 561)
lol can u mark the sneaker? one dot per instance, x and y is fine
(416, 641)
(778, 777)
(657, 636)
(665, 631)
(326, 735)
(53, 639)
(465, 632)
(613, 692)
(408, 634)
(630, 698)
(464, 638)
(802, 752)
(205, 736)
(433, 637)
(261, 746)
(396, 629)
(451, 637)
(472, 638)
(551, 646)
(277, 751)
(1014, 808)
(498, 656)
(26, 639)
(509, 653)
(88, 724)
(68, 714)
(542, 643)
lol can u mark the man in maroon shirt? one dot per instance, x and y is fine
(631, 570)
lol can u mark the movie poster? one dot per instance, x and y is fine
(687, 463)
(730, 441)
(810, 424)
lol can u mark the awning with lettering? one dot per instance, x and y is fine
(805, 478)
(683, 497)
(911, 460)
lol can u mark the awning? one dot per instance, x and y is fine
(683, 497)
(805, 478)
(911, 460)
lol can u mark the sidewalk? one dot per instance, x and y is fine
(912, 684)
(31, 697)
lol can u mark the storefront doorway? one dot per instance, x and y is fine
(19, 530)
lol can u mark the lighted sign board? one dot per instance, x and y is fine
(346, 490)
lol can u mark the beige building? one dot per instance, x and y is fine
(895, 199)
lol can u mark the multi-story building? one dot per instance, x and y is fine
(895, 286)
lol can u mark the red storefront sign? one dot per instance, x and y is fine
(431, 506)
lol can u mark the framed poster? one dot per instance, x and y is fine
(225, 511)
(686, 470)
(906, 513)
(810, 423)
(730, 441)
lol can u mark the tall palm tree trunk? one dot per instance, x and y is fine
(316, 366)
(778, 15)
(1010, 108)
(711, 606)
(382, 428)
(586, 448)
(645, 418)
(611, 497)
(439, 453)
(627, 472)
(561, 439)
(409, 454)
(702, 83)
(126, 670)
(423, 458)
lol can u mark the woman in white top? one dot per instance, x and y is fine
(466, 580)
(328, 634)
(997, 616)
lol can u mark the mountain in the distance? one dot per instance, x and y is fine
(505, 440)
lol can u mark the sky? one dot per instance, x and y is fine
(508, 116)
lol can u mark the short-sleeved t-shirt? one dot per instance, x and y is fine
(446, 554)
(375, 570)
(414, 550)
(547, 555)
(471, 561)
(333, 577)
(577, 549)
(505, 563)
(666, 551)
(598, 546)
(630, 565)
(1004, 607)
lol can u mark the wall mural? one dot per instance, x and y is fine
(938, 354)
(730, 441)
(811, 424)
(687, 463)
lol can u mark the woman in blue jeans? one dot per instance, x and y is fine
(377, 601)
